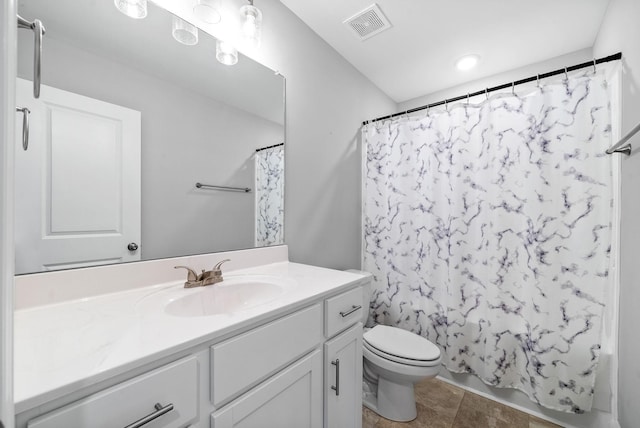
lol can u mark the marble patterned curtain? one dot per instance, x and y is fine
(488, 230)
(269, 196)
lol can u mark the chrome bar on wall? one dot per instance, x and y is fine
(269, 147)
(225, 188)
(38, 30)
(620, 146)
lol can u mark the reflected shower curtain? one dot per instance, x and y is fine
(269, 196)
(488, 230)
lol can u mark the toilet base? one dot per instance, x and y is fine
(394, 401)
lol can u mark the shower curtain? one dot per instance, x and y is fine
(488, 230)
(269, 176)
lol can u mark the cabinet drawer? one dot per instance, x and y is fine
(241, 362)
(342, 311)
(175, 384)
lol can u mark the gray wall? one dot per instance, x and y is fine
(327, 99)
(555, 63)
(186, 138)
(620, 31)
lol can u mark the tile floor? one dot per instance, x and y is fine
(442, 405)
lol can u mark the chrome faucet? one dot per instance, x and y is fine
(208, 277)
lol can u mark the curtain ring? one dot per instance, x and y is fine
(446, 105)
(538, 80)
(594, 65)
(467, 98)
(566, 76)
(486, 93)
(513, 88)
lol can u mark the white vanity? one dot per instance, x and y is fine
(283, 349)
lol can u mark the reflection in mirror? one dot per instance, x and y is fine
(128, 122)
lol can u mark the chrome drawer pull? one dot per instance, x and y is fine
(25, 126)
(350, 311)
(150, 417)
(336, 388)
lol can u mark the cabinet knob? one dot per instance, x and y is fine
(132, 246)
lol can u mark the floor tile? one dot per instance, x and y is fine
(442, 405)
(535, 422)
(369, 418)
(477, 411)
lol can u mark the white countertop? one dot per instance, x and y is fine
(64, 346)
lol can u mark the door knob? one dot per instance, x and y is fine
(132, 246)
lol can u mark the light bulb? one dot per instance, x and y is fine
(226, 53)
(467, 62)
(251, 24)
(184, 32)
(136, 9)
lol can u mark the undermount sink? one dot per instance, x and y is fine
(234, 294)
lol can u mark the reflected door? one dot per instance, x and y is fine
(78, 202)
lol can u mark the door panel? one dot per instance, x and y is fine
(78, 184)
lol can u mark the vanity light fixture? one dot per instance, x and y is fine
(207, 11)
(184, 32)
(136, 9)
(251, 24)
(467, 62)
(226, 53)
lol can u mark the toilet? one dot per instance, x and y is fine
(394, 360)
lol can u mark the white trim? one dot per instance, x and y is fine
(616, 127)
(7, 113)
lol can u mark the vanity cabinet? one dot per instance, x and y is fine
(302, 369)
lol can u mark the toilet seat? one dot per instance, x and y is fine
(401, 346)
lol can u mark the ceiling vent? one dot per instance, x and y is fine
(368, 23)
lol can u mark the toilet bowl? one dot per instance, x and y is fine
(394, 361)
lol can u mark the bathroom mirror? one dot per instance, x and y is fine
(128, 122)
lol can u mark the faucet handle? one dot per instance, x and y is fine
(192, 276)
(217, 266)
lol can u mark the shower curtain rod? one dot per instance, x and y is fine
(269, 147)
(512, 85)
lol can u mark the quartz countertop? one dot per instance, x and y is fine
(65, 346)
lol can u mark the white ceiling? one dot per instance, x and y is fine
(417, 55)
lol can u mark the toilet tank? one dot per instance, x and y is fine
(366, 293)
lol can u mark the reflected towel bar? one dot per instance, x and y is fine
(225, 188)
(620, 146)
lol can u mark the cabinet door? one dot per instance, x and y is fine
(343, 379)
(289, 399)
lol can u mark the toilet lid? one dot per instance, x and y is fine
(401, 343)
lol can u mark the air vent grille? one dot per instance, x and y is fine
(368, 23)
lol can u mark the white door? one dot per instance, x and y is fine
(343, 379)
(78, 184)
